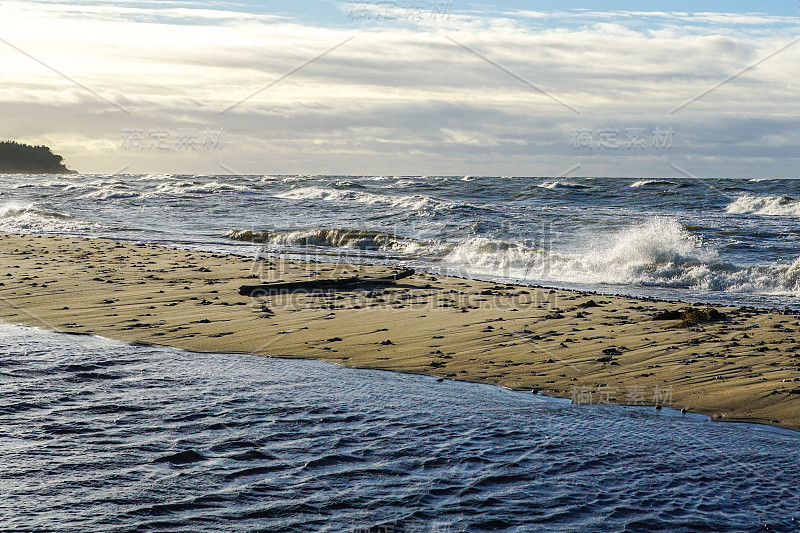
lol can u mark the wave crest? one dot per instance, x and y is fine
(15, 217)
(561, 185)
(765, 205)
(338, 238)
(415, 202)
(646, 182)
(659, 252)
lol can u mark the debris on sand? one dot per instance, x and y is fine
(690, 316)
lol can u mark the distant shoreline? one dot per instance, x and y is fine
(18, 158)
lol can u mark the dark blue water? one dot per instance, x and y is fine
(720, 240)
(101, 436)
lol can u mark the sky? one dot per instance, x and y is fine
(406, 87)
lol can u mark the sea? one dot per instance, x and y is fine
(732, 241)
(101, 436)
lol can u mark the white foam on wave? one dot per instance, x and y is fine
(654, 252)
(269, 179)
(214, 187)
(659, 252)
(490, 257)
(333, 237)
(13, 209)
(155, 177)
(187, 187)
(110, 190)
(176, 188)
(16, 217)
(106, 188)
(41, 184)
(644, 183)
(403, 183)
(415, 202)
(561, 185)
(765, 205)
(777, 279)
(111, 194)
(657, 241)
(65, 183)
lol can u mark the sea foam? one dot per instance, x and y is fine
(765, 205)
(561, 185)
(659, 252)
(646, 182)
(338, 238)
(15, 217)
(415, 202)
(659, 249)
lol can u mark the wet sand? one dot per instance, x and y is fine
(743, 368)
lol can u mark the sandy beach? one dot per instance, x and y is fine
(742, 366)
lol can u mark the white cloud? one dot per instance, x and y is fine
(399, 89)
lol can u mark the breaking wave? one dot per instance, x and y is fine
(415, 202)
(466, 225)
(654, 252)
(765, 205)
(339, 238)
(214, 187)
(660, 253)
(644, 183)
(111, 194)
(35, 217)
(117, 189)
(561, 185)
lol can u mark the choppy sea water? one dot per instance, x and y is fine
(101, 436)
(716, 240)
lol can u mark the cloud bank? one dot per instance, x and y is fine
(194, 89)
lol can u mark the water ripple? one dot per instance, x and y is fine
(94, 438)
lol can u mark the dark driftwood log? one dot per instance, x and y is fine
(320, 284)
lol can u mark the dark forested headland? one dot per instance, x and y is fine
(17, 158)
